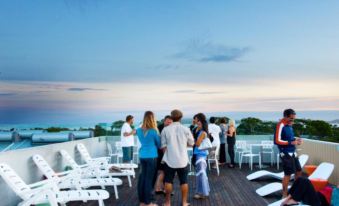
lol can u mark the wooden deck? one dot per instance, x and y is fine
(230, 188)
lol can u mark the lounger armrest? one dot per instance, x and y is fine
(105, 159)
(64, 173)
(43, 185)
(39, 184)
(84, 165)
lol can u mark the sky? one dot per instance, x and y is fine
(95, 61)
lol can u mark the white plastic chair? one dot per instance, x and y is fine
(90, 172)
(250, 155)
(46, 191)
(267, 148)
(73, 180)
(117, 152)
(279, 175)
(323, 171)
(240, 148)
(213, 157)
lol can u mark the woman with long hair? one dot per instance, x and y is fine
(149, 139)
(231, 133)
(202, 185)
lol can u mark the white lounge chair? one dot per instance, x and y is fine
(278, 203)
(73, 180)
(47, 191)
(323, 171)
(90, 172)
(103, 162)
(264, 173)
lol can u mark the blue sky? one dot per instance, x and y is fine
(60, 60)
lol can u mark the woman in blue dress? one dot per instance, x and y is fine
(202, 185)
(149, 138)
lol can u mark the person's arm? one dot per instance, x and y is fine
(200, 138)
(278, 134)
(190, 139)
(163, 140)
(157, 139)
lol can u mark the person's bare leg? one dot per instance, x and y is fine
(288, 200)
(184, 194)
(159, 184)
(297, 175)
(168, 189)
(285, 182)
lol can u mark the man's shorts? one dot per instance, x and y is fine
(127, 154)
(290, 164)
(170, 173)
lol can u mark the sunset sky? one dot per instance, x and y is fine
(84, 60)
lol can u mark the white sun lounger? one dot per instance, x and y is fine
(278, 203)
(47, 191)
(323, 171)
(279, 175)
(103, 162)
(73, 180)
(89, 172)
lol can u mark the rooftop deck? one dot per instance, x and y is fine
(230, 188)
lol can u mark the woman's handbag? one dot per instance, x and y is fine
(205, 144)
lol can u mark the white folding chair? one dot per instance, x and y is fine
(117, 153)
(213, 157)
(267, 148)
(250, 155)
(46, 191)
(240, 148)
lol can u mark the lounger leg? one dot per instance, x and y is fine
(129, 181)
(101, 203)
(240, 157)
(116, 192)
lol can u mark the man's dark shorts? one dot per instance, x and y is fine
(290, 164)
(170, 173)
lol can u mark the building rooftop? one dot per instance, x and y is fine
(230, 188)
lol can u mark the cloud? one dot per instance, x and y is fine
(7, 94)
(210, 92)
(191, 91)
(206, 51)
(82, 89)
(166, 67)
(185, 91)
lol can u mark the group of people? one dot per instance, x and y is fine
(163, 153)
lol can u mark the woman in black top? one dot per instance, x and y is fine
(231, 133)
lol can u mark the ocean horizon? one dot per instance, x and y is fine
(84, 123)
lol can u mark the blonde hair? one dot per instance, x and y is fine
(149, 121)
(231, 123)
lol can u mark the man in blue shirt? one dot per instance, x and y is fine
(286, 142)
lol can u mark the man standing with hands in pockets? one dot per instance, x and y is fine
(286, 141)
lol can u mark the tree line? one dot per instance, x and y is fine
(313, 129)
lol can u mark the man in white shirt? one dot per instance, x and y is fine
(127, 139)
(215, 131)
(174, 141)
